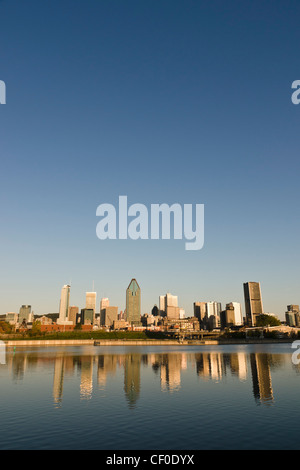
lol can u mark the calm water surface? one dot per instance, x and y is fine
(206, 397)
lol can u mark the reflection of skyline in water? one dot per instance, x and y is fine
(262, 382)
(213, 366)
(132, 381)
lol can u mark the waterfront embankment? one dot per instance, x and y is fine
(119, 342)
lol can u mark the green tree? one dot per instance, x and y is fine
(5, 327)
(36, 328)
(267, 320)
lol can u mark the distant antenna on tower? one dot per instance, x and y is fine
(93, 286)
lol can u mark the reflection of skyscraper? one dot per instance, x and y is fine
(170, 372)
(261, 378)
(64, 304)
(216, 366)
(107, 365)
(238, 365)
(58, 380)
(132, 378)
(210, 365)
(253, 302)
(86, 384)
(133, 303)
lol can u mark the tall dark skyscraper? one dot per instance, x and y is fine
(253, 302)
(133, 303)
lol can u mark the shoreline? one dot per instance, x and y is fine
(119, 342)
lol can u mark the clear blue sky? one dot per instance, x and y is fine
(163, 101)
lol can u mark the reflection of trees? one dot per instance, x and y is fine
(18, 367)
(19, 363)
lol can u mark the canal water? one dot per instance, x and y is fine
(156, 397)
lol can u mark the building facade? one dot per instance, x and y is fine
(133, 303)
(90, 300)
(104, 302)
(238, 316)
(72, 314)
(86, 317)
(253, 302)
(168, 306)
(25, 314)
(108, 316)
(64, 304)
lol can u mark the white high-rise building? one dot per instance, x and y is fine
(181, 313)
(168, 306)
(90, 300)
(64, 305)
(104, 303)
(166, 301)
(213, 311)
(171, 300)
(238, 316)
(162, 304)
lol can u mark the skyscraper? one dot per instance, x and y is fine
(208, 314)
(25, 314)
(133, 303)
(292, 315)
(104, 303)
(169, 306)
(87, 316)
(213, 310)
(90, 303)
(108, 316)
(253, 302)
(237, 308)
(73, 312)
(201, 313)
(90, 300)
(162, 305)
(64, 305)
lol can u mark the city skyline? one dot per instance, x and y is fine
(166, 102)
(90, 302)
